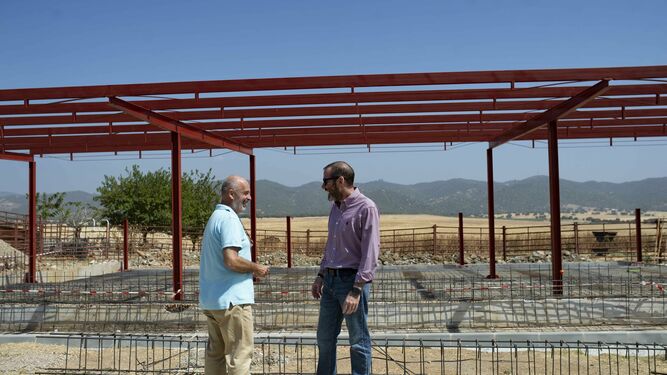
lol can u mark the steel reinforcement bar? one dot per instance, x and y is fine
(146, 354)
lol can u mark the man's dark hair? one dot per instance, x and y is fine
(341, 168)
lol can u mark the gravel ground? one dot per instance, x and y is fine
(28, 358)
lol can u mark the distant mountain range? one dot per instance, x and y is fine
(441, 197)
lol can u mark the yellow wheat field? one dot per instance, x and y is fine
(390, 222)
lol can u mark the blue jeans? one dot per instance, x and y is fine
(334, 291)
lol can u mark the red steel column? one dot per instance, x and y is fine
(492, 232)
(554, 194)
(638, 231)
(32, 228)
(126, 245)
(253, 212)
(176, 216)
(289, 241)
(461, 258)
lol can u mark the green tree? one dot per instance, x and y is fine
(78, 215)
(200, 193)
(50, 206)
(143, 198)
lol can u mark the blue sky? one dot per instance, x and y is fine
(63, 43)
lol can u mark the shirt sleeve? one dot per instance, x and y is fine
(231, 233)
(370, 244)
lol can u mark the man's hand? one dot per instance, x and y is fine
(351, 303)
(261, 271)
(316, 288)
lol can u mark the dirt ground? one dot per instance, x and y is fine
(30, 358)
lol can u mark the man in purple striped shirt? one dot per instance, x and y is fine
(348, 266)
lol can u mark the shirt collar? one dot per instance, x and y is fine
(351, 198)
(225, 207)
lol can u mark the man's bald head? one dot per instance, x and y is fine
(235, 192)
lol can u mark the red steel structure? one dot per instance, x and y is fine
(244, 114)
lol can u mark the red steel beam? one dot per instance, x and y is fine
(554, 202)
(339, 110)
(138, 142)
(181, 128)
(126, 246)
(32, 219)
(638, 234)
(289, 240)
(461, 241)
(338, 98)
(374, 80)
(16, 156)
(492, 231)
(176, 216)
(490, 116)
(292, 137)
(22, 134)
(479, 118)
(253, 212)
(557, 112)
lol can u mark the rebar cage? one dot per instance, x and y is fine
(146, 354)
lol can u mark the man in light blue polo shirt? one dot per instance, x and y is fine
(226, 291)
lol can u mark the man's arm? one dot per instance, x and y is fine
(241, 265)
(370, 245)
(370, 252)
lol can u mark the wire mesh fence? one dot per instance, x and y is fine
(62, 248)
(140, 354)
(411, 298)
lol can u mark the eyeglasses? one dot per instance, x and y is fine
(332, 178)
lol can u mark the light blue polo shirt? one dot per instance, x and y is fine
(219, 286)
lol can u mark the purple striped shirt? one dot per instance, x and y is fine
(354, 237)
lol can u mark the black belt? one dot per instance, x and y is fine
(341, 271)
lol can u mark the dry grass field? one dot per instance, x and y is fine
(390, 222)
(421, 221)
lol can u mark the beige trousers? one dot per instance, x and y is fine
(230, 341)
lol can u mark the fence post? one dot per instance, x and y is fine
(461, 259)
(108, 239)
(126, 245)
(40, 238)
(308, 241)
(288, 220)
(576, 238)
(658, 240)
(638, 232)
(435, 238)
(16, 234)
(504, 243)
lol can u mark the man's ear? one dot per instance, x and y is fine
(227, 196)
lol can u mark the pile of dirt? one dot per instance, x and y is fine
(160, 257)
(10, 258)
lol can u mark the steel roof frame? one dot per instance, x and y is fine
(359, 109)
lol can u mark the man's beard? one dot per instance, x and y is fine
(239, 206)
(333, 195)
